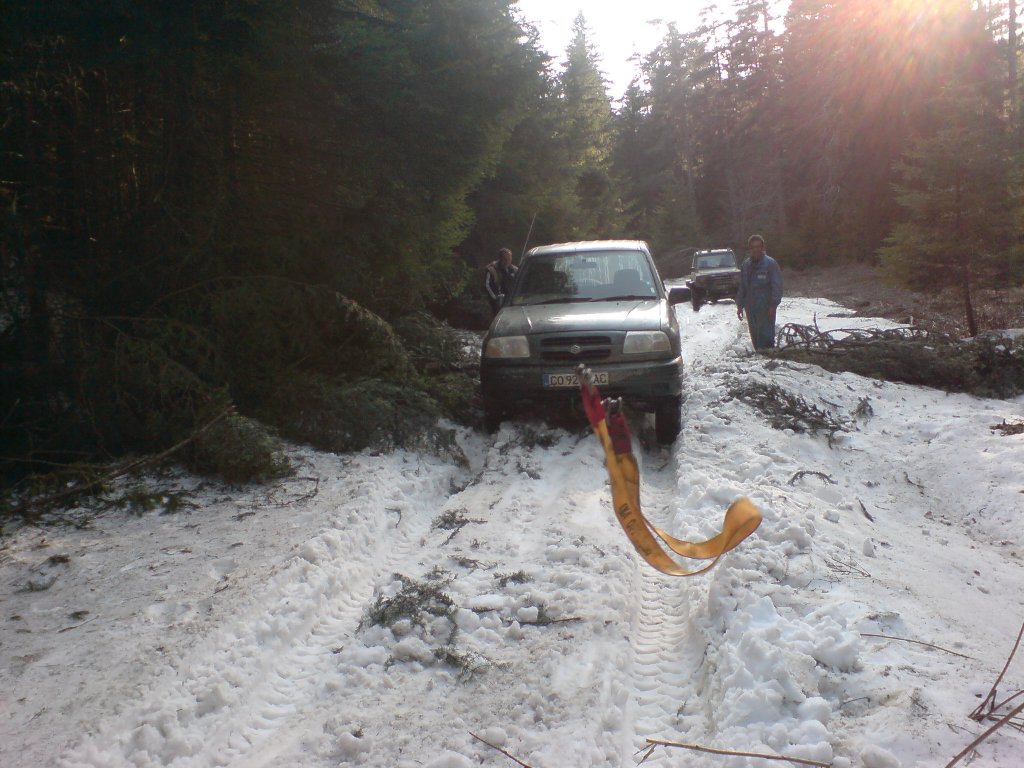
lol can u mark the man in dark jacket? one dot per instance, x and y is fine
(500, 274)
(760, 293)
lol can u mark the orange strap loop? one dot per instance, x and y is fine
(741, 518)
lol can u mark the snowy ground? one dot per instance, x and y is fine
(241, 631)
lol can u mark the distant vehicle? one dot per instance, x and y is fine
(601, 303)
(714, 276)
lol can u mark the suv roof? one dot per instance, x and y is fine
(591, 245)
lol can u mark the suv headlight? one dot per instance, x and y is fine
(507, 346)
(639, 342)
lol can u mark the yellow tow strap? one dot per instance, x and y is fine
(741, 519)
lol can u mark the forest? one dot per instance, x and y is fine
(227, 224)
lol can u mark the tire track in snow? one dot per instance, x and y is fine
(667, 651)
(667, 648)
(515, 480)
(234, 692)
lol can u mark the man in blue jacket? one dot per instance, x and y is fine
(760, 293)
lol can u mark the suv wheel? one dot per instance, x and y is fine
(696, 298)
(667, 417)
(493, 415)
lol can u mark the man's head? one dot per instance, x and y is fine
(756, 245)
(505, 256)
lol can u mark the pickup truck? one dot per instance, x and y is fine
(713, 276)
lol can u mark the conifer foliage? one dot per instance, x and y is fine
(214, 203)
(231, 207)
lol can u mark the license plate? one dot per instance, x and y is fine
(556, 380)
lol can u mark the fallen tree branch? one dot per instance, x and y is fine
(506, 754)
(734, 753)
(121, 471)
(918, 642)
(1002, 721)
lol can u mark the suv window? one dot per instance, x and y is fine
(715, 260)
(583, 276)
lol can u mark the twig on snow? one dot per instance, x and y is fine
(906, 476)
(918, 642)
(304, 497)
(804, 472)
(848, 569)
(544, 621)
(76, 626)
(734, 753)
(865, 511)
(999, 724)
(979, 714)
(853, 701)
(506, 754)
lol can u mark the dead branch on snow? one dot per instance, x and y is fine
(506, 754)
(732, 753)
(917, 642)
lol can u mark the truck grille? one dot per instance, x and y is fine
(559, 349)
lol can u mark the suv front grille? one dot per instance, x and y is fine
(722, 281)
(559, 349)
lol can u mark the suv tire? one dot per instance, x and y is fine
(667, 418)
(493, 415)
(696, 298)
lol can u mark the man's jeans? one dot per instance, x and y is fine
(761, 322)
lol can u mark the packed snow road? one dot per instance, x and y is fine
(412, 610)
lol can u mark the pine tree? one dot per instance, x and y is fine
(586, 133)
(958, 191)
(682, 79)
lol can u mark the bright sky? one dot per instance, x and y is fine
(618, 30)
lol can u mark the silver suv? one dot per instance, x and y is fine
(600, 303)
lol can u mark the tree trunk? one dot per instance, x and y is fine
(691, 192)
(965, 281)
(1011, 57)
(965, 257)
(780, 198)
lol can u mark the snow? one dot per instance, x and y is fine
(238, 631)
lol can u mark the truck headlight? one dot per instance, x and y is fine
(640, 342)
(507, 347)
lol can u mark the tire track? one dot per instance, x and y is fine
(667, 650)
(519, 484)
(236, 690)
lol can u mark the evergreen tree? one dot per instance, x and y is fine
(859, 79)
(170, 168)
(586, 133)
(681, 79)
(749, 151)
(958, 190)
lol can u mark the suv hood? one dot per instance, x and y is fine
(644, 315)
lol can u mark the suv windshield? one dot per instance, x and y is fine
(593, 276)
(715, 260)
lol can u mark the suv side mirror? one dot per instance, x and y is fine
(678, 294)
